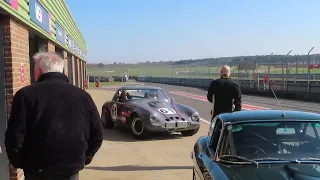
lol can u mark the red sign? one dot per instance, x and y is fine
(266, 79)
(312, 66)
(22, 72)
(15, 4)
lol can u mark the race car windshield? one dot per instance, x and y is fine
(146, 94)
(266, 141)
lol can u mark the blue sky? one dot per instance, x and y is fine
(133, 31)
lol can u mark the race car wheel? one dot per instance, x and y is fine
(190, 132)
(107, 121)
(137, 127)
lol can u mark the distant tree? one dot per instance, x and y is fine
(100, 65)
(115, 63)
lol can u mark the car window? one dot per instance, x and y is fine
(213, 123)
(137, 94)
(310, 130)
(216, 131)
(285, 139)
(118, 96)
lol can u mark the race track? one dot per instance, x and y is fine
(197, 99)
(162, 156)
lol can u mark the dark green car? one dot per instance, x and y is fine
(259, 145)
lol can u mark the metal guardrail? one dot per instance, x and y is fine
(250, 75)
(256, 85)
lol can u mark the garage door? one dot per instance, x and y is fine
(4, 164)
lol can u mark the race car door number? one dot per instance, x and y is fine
(167, 111)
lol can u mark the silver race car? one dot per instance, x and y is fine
(146, 109)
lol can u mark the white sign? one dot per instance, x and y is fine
(114, 111)
(167, 111)
(38, 13)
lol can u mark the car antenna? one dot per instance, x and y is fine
(278, 101)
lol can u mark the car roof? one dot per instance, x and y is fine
(139, 87)
(263, 115)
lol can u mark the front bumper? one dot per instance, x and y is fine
(161, 127)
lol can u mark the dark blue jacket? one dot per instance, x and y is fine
(54, 127)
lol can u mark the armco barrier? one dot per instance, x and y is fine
(250, 75)
(290, 89)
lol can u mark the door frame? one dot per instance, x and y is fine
(4, 162)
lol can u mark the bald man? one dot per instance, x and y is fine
(225, 92)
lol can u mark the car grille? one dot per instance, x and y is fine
(171, 118)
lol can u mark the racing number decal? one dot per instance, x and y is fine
(167, 111)
(114, 111)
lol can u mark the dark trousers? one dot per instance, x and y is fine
(31, 176)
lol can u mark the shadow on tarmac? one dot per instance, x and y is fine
(122, 134)
(137, 168)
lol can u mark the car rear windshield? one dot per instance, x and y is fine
(146, 94)
(283, 139)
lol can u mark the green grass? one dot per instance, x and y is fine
(162, 71)
(93, 84)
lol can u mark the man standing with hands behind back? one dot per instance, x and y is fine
(226, 92)
(54, 128)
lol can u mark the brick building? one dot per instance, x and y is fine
(27, 27)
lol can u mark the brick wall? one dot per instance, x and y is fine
(51, 46)
(65, 56)
(16, 53)
(76, 71)
(73, 70)
(81, 73)
(46, 46)
(84, 71)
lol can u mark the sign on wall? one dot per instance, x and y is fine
(60, 34)
(70, 43)
(74, 46)
(39, 15)
(22, 72)
(65, 38)
(50, 24)
(14, 3)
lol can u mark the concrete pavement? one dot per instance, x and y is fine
(164, 156)
(121, 157)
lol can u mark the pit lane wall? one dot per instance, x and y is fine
(28, 27)
(292, 89)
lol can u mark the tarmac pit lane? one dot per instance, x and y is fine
(163, 156)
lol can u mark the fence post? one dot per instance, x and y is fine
(258, 82)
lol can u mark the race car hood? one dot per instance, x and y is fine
(159, 104)
(152, 103)
(273, 172)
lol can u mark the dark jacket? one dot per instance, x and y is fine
(54, 127)
(226, 92)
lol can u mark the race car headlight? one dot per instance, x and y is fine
(154, 119)
(195, 117)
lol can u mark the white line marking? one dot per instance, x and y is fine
(202, 99)
(205, 121)
(198, 98)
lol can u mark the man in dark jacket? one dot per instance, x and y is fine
(226, 92)
(54, 128)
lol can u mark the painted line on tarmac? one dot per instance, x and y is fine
(248, 106)
(202, 98)
(205, 121)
